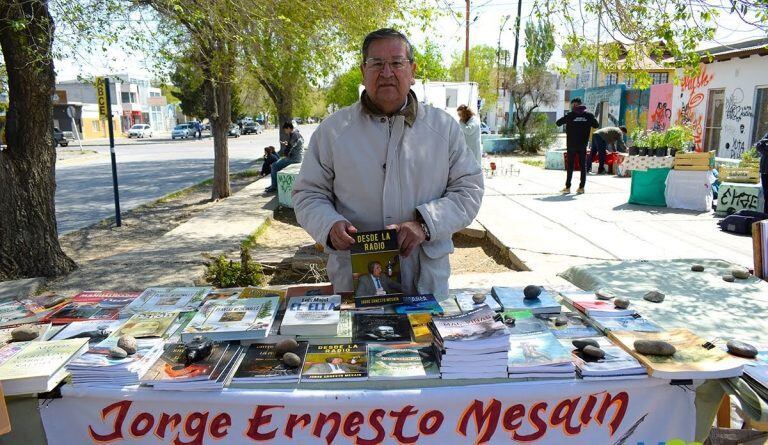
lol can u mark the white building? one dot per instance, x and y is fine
(446, 96)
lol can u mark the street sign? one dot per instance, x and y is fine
(71, 111)
(101, 93)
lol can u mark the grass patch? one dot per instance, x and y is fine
(533, 162)
(249, 173)
(253, 238)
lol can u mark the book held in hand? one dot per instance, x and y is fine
(512, 298)
(240, 319)
(260, 364)
(402, 361)
(39, 366)
(344, 362)
(375, 260)
(316, 316)
(380, 328)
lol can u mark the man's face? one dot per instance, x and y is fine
(287, 130)
(388, 87)
(377, 269)
(337, 360)
(574, 105)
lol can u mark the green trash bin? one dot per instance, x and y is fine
(648, 187)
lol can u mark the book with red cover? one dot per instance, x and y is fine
(92, 305)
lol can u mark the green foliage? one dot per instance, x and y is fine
(534, 89)
(533, 162)
(750, 157)
(539, 43)
(678, 137)
(429, 62)
(227, 273)
(194, 98)
(482, 69)
(344, 89)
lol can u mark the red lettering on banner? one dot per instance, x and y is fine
(402, 416)
(294, 420)
(220, 425)
(137, 429)
(352, 422)
(558, 416)
(623, 399)
(537, 421)
(374, 418)
(117, 425)
(437, 419)
(513, 416)
(194, 427)
(322, 419)
(260, 419)
(164, 422)
(586, 413)
(485, 420)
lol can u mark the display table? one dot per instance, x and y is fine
(285, 179)
(733, 196)
(689, 190)
(575, 412)
(643, 163)
(648, 186)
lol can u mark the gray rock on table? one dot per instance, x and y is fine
(654, 296)
(26, 332)
(740, 273)
(531, 292)
(592, 351)
(291, 360)
(729, 278)
(741, 349)
(478, 298)
(116, 352)
(128, 344)
(581, 343)
(697, 268)
(561, 320)
(285, 346)
(654, 347)
(621, 302)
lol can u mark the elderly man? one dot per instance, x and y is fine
(389, 162)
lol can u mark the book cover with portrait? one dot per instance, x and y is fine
(376, 263)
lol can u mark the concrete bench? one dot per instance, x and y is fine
(285, 179)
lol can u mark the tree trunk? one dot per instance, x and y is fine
(29, 244)
(284, 106)
(222, 95)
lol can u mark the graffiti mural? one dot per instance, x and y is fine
(636, 109)
(611, 94)
(735, 197)
(691, 96)
(736, 120)
(660, 107)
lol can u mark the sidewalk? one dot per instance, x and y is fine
(178, 258)
(548, 232)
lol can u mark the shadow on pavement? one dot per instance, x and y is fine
(657, 210)
(557, 198)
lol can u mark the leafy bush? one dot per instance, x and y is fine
(539, 134)
(227, 273)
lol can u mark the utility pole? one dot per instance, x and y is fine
(466, 45)
(517, 34)
(498, 51)
(597, 55)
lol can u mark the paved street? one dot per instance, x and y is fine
(147, 170)
(550, 232)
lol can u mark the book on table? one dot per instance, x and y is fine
(512, 298)
(522, 322)
(43, 331)
(588, 303)
(375, 258)
(756, 371)
(381, 328)
(343, 332)
(39, 366)
(626, 323)
(99, 369)
(399, 304)
(93, 305)
(141, 325)
(309, 290)
(466, 302)
(576, 327)
(420, 330)
(340, 362)
(13, 309)
(388, 361)
(692, 359)
(616, 365)
(95, 331)
(260, 364)
(172, 371)
(538, 354)
(164, 299)
(240, 319)
(315, 316)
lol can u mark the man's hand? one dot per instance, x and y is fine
(409, 236)
(340, 235)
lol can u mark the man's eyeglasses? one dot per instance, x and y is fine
(396, 64)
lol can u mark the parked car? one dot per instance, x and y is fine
(183, 131)
(60, 138)
(484, 128)
(140, 131)
(252, 127)
(234, 130)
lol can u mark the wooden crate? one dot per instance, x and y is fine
(747, 175)
(695, 161)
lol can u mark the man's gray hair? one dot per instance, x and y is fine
(386, 33)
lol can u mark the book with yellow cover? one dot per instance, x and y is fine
(420, 327)
(692, 360)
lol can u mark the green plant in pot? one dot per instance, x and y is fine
(654, 142)
(678, 138)
(639, 143)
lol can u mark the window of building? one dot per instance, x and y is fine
(760, 127)
(658, 78)
(154, 94)
(126, 97)
(629, 82)
(451, 98)
(133, 98)
(611, 79)
(713, 125)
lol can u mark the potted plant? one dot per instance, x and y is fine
(639, 143)
(678, 138)
(653, 142)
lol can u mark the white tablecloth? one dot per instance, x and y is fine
(643, 163)
(690, 190)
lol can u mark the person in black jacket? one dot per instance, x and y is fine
(578, 124)
(762, 148)
(270, 157)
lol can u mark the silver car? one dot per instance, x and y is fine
(140, 131)
(182, 131)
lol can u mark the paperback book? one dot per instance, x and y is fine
(420, 330)
(141, 325)
(39, 366)
(576, 327)
(522, 322)
(344, 362)
(309, 290)
(692, 359)
(402, 361)
(626, 323)
(101, 370)
(376, 263)
(315, 316)
(256, 292)
(381, 328)
(399, 304)
(95, 331)
(343, 332)
(241, 319)
(43, 330)
(538, 354)
(617, 364)
(512, 298)
(93, 305)
(467, 303)
(588, 303)
(164, 299)
(13, 309)
(172, 371)
(260, 364)
(474, 329)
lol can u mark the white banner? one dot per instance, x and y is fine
(647, 411)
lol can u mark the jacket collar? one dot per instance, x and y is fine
(409, 111)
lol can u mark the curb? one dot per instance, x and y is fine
(516, 261)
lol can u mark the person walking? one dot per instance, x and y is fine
(199, 129)
(470, 126)
(270, 157)
(291, 153)
(762, 148)
(602, 138)
(578, 124)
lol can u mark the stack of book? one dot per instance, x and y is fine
(475, 345)
(94, 369)
(260, 364)
(174, 371)
(339, 362)
(93, 305)
(616, 365)
(39, 366)
(165, 299)
(512, 298)
(313, 316)
(538, 355)
(239, 319)
(402, 361)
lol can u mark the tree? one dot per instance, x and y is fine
(430, 63)
(539, 43)
(29, 244)
(482, 69)
(533, 90)
(344, 90)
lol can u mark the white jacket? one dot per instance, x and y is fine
(374, 171)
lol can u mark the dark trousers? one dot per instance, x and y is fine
(764, 182)
(599, 147)
(569, 158)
